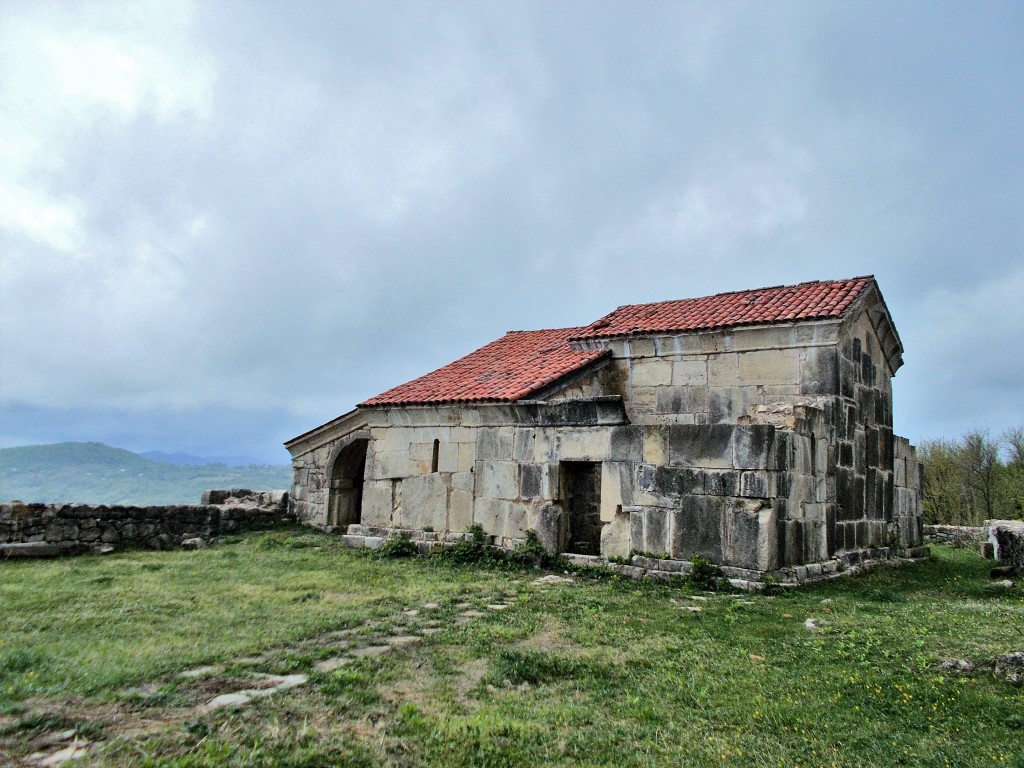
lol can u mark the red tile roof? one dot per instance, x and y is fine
(521, 363)
(514, 366)
(782, 303)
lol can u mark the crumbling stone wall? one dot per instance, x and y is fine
(54, 529)
(862, 417)
(1007, 540)
(718, 376)
(750, 496)
(958, 535)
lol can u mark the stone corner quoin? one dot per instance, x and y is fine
(765, 447)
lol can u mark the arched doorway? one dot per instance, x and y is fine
(345, 501)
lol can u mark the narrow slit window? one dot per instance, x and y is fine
(435, 456)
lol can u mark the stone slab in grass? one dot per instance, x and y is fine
(370, 651)
(400, 640)
(201, 672)
(329, 665)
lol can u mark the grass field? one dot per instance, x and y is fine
(435, 664)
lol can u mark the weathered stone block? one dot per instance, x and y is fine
(819, 371)
(616, 538)
(415, 509)
(791, 542)
(498, 479)
(377, 503)
(448, 457)
(728, 404)
(644, 477)
(492, 515)
(389, 439)
(548, 527)
(656, 528)
(723, 370)
(742, 526)
(752, 445)
(650, 373)
(515, 521)
(770, 366)
(392, 464)
(681, 400)
(460, 510)
(697, 528)
(467, 456)
(673, 482)
(494, 443)
(721, 483)
(626, 443)
(690, 372)
(755, 485)
(530, 481)
(636, 526)
(768, 538)
(616, 488)
(655, 448)
(550, 481)
(701, 446)
(581, 444)
(762, 338)
(523, 444)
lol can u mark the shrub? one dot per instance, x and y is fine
(705, 576)
(469, 551)
(397, 547)
(532, 554)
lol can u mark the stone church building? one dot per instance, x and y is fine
(751, 428)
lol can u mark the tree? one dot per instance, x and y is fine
(944, 499)
(966, 480)
(979, 459)
(1011, 485)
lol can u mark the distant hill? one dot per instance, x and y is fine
(192, 460)
(93, 473)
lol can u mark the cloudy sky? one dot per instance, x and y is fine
(222, 224)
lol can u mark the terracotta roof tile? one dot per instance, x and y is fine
(514, 366)
(521, 363)
(784, 303)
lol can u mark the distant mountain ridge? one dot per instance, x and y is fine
(94, 473)
(190, 459)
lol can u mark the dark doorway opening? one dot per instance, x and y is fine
(345, 501)
(582, 493)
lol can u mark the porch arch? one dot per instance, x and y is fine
(347, 469)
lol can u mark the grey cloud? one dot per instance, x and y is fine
(347, 195)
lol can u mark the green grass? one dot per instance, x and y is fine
(597, 672)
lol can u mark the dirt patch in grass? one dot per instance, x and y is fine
(553, 637)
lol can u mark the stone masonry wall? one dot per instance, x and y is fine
(759, 496)
(497, 466)
(749, 496)
(716, 377)
(865, 460)
(54, 529)
(503, 476)
(908, 507)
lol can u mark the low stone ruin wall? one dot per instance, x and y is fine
(959, 535)
(1002, 540)
(1007, 540)
(52, 530)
